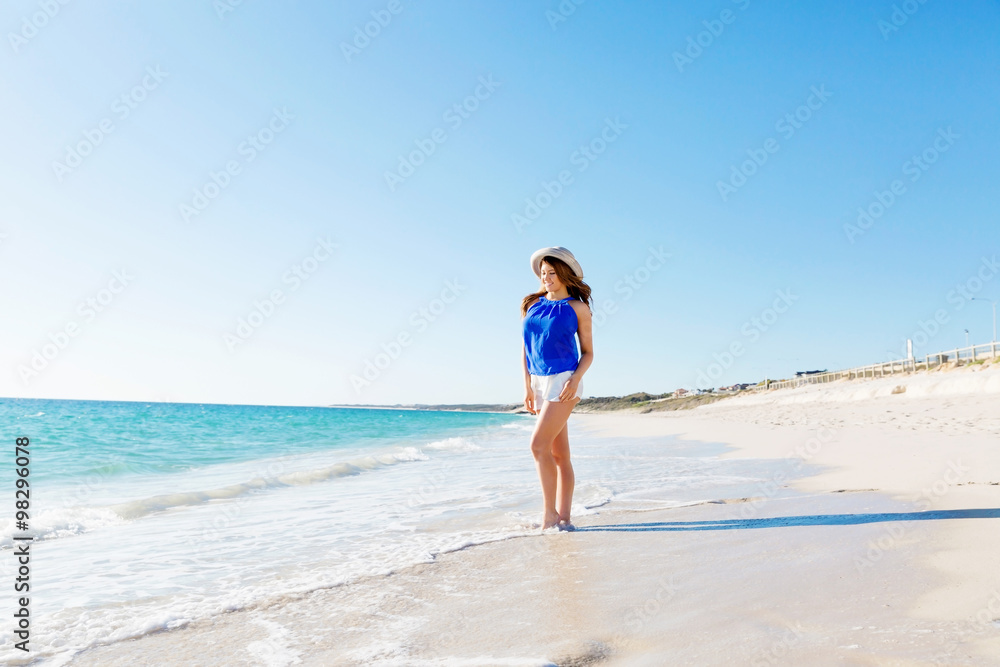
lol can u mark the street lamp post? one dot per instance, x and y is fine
(994, 304)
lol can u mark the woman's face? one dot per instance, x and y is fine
(550, 280)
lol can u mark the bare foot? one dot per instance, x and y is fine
(550, 520)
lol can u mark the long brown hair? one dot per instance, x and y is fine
(574, 285)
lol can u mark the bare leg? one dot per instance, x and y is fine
(551, 420)
(565, 479)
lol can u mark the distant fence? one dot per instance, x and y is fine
(966, 354)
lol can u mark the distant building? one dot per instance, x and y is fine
(735, 387)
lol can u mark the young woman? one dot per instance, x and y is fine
(552, 319)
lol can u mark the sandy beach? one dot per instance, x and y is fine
(872, 542)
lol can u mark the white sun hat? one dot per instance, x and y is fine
(559, 253)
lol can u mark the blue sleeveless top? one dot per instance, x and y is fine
(550, 337)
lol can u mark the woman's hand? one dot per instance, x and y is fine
(568, 392)
(529, 400)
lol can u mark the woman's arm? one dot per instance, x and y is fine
(524, 355)
(529, 393)
(584, 331)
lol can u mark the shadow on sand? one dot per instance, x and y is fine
(808, 520)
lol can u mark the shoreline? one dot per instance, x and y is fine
(880, 551)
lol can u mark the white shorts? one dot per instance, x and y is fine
(548, 387)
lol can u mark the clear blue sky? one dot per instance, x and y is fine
(161, 95)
